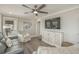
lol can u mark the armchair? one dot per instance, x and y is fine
(16, 48)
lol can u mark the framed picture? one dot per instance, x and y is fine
(48, 24)
(26, 25)
(53, 23)
(56, 23)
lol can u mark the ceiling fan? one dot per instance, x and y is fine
(36, 9)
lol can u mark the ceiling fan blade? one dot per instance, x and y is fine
(26, 6)
(43, 12)
(42, 6)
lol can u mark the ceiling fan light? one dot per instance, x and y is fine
(35, 12)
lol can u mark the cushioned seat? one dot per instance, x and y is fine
(14, 49)
(2, 48)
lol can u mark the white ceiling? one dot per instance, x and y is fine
(18, 9)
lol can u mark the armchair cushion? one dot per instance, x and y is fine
(16, 47)
(2, 48)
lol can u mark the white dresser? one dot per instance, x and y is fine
(52, 38)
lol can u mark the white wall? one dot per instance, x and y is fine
(69, 25)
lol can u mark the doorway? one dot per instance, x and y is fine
(38, 28)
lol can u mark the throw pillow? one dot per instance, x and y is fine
(8, 42)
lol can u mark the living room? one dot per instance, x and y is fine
(39, 28)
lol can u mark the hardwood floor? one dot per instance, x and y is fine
(33, 45)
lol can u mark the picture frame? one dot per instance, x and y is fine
(48, 24)
(26, 25)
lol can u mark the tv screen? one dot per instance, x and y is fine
(53, 23)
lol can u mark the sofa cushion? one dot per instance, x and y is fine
(8, 42)
(2, 48)
(1, 36)
(60, 50)
(13, 37)
(15, 48)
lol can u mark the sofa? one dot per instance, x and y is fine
(13, 46)
(59, 50)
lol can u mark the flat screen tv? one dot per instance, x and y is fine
(53, 23)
